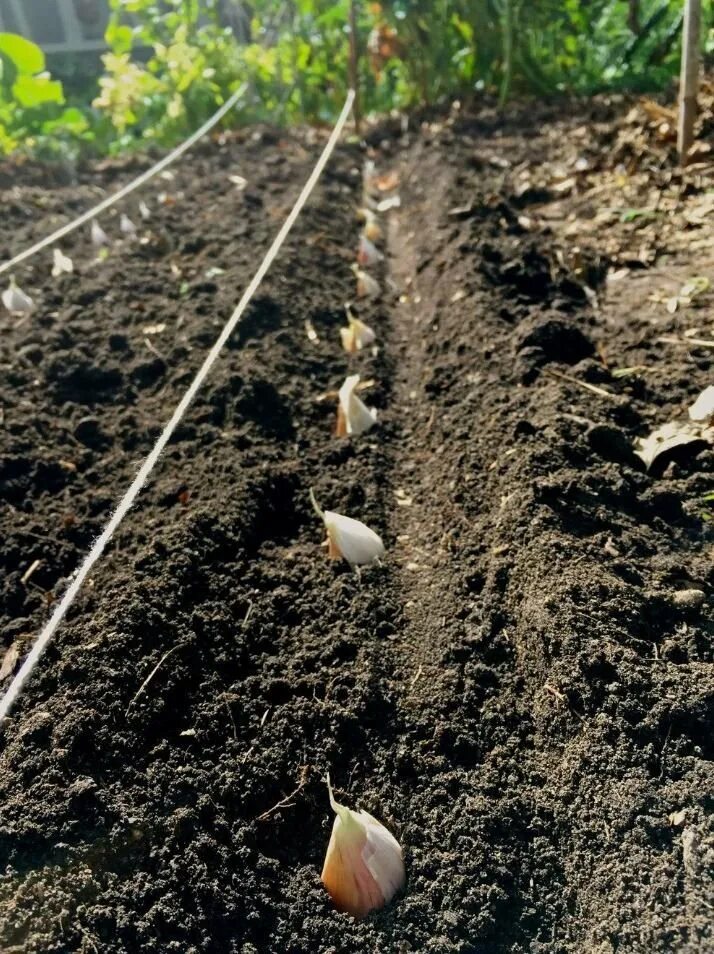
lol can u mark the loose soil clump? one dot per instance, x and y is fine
(520, 692)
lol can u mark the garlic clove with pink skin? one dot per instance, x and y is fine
(364, 867)
(353, 415)
(367, 287)
(368, 253)
(16, 301)
(357, 335)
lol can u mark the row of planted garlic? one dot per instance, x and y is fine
(18, 302)
(363, 867)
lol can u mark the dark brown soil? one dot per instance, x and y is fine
(518, 691)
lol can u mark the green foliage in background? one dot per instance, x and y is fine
(171, 63)
(32, 104)
(192, 67)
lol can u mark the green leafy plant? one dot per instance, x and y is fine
(191, 68)
(171, 63)
(30, 100)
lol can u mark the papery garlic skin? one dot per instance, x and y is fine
(98, 235)
(364, 867)
(144, 211)
(354, 417)
(16, 301)
(126, 226)
(352, 540)
(368, 253)
(703, 407)
(357, 336)
(61, 263)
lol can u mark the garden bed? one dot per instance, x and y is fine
(520, 691)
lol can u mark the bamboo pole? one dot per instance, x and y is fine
(354, 66)
(689, 77)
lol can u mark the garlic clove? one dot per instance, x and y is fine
(352, 540)
(357, 335)
(364, 867)
(703, 407)
(367, 287)
(372, 228)
(368, 253)
(98, 235)
(61, 263)
(347, 538)
(16, 301)
(126, 226)
(353, 416)
(144, 211)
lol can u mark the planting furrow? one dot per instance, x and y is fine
(535, 710)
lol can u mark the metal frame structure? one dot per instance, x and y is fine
(58, 26)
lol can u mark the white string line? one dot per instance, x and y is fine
(16, 686)
(131, 187)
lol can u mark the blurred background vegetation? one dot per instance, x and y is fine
(168, 64)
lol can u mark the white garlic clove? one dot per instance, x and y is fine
(364, 866)
(16, 301)
(353, 416)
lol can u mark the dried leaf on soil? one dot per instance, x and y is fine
(703, 407)
(668, 436)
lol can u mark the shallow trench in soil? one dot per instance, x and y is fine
(517, 692)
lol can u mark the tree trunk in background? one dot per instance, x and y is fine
(689, 77)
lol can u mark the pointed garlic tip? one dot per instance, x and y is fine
(364, 867)
(61, 263)
(15, 299)
(316, 505)
(357, 335)
(703, 407)
(351, 539)
(126, 226)
(368, 253)
(353, 416)
(367, 287)
(98, 235)
(144, 211)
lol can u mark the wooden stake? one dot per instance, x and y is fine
(689, 77)
(354, 66)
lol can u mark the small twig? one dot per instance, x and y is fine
(151, 675)
(30, 570)
(223, 696)
(697, 342)
(663, 752)
(154, 350)
(416, 677)
(285, 802)
(557, 694)
(593, 388)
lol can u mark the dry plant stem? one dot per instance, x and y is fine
(689, 78)
(285, 802)
(127, 501)
(148, 679)
(593, 388)
(691, 342)
(132, 186)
